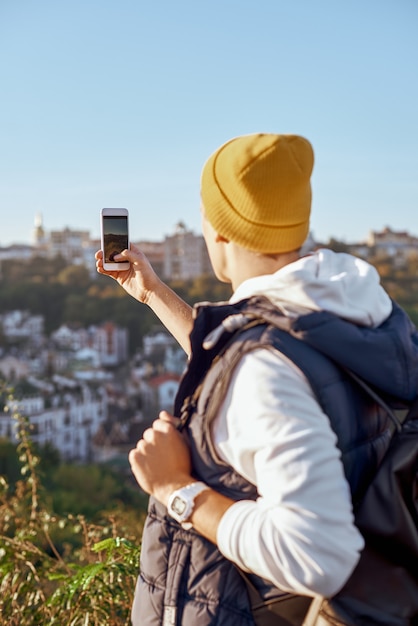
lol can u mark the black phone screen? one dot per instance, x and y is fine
(115, 236)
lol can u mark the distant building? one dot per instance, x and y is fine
(159, 392)
(111, 343)
(69, 421)
(39, 236)
(23, 252)
(154, 251)
(13, 368)
(103, 346)
(21, 325)
(389, 243)
(68, 244)
(185, 255)
(70, 338)
(110, 441)
(162, 343)
(157, 341)
(75, 246)
(182, 255)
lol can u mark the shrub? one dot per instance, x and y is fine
(87, 582)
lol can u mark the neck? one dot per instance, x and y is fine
(246, 264)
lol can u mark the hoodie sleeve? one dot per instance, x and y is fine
(300, 533)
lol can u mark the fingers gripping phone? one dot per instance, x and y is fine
(115, 237)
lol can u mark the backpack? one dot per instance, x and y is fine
(383, 589)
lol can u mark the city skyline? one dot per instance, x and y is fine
(38, 222)
(120, 104)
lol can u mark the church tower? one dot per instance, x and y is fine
(39, 236)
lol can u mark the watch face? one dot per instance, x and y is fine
(178, 505)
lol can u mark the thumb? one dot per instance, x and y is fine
(133, 254)
(165, 416)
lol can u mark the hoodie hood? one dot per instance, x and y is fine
(336, 304)
(338, 283)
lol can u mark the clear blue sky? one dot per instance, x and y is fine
(119, 102)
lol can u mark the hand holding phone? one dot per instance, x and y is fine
(115, 237)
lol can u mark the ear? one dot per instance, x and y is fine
(220, 239)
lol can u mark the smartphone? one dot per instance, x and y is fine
(115, 237)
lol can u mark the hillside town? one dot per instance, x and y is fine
(79, 388)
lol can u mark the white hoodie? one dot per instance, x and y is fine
(300, 533)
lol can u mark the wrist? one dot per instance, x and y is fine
(181, 502)
(163, 493)
(155, 291)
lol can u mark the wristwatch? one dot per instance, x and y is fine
(181, 502)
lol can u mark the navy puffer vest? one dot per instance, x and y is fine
(184, 579)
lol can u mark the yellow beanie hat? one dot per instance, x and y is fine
(256, 191)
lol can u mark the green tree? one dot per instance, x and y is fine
(337, 246)
(9, 463)
(83, 489)
(74, 276)
(73, 309)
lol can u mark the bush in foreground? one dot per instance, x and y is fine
(92, 584)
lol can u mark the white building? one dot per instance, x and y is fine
(103, 346)
(111, 343)
(68, 338)
(75, 246)
(159, 392)
(13, 368)
(157, 341)
(69, 423)
(395, 244)
(172, 357)
(23, 252)
(19, 325)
